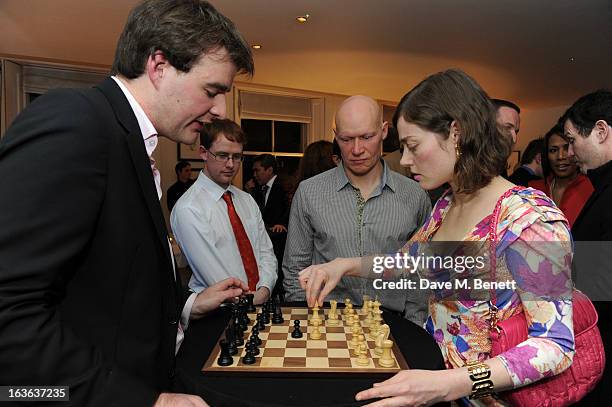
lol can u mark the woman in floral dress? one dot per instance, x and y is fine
(448, 133)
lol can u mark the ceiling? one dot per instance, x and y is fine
(540, 53)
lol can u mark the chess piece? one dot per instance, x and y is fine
(255, 336)
(265, 314)
(383, 335)
(355, 331)
(297, 333)
(238, 336)
(387, 360)
(316, 333)
(250, 306)
(253, 347)
(260, 323)
(364, 307)
(347, 302)
(225, 359)
(362, 352)
(249, 358)
(230, 337)
(277, 318)
(332, 317)
(315, 313)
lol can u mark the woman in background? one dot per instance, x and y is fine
(317, 159)
(562, 181)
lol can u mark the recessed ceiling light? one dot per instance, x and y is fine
(256, 46)
(572, 59)
(302, 19)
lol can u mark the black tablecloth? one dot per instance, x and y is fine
(237, 390)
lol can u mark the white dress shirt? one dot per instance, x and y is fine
(202, 228)
(269, 184)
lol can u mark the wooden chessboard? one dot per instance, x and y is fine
(281, 353)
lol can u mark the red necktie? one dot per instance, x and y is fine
(244, 244)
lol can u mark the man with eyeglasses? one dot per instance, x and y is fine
(359, 208)
(218, 226)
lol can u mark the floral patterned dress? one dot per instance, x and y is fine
(534, 249)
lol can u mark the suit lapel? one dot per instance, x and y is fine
(140, 158)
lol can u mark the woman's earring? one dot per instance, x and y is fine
(457, 151)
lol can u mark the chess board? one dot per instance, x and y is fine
(281, 353)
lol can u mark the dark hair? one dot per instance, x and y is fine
(587, 110)
(183, 30)
(533, 148)
(231, 130)
(317, 159)
(546, 168)
(450, 96)
(180, 165)
(267, 161)
(505, 103)
(336, 148)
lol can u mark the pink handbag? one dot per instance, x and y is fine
(589, 359)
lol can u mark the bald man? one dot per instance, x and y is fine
(359, 208)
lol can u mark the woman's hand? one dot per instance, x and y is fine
(318, 280)
(409, 388)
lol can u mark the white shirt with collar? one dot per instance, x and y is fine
(202, 228)
(149, 136)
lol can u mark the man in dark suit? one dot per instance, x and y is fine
(588, 128)
(272, 200)
(89, 297)
(531, 164)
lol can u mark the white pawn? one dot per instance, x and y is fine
(316, 333)
(362, 352)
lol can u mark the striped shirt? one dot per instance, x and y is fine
(329, 219)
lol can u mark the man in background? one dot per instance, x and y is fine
(508, 122)
(182, 184)
(273, 203)
(356, 209)
(531, 164)
(218, 226)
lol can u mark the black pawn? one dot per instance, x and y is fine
(225, 359)
(296, 330)
(249, 358)
(250, 306)
(277, 318)
(265, 316)
(230, 337)
(238, 337)
(260, 323)
(254, 347)
(255, 337)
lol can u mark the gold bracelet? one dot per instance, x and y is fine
(480, 374)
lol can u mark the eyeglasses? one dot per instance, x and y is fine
(225, 157)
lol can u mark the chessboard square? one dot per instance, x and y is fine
(357, 365)
(263, 336)
(257, 362)
(338, 353)
(277, 329)
(275, 344)
(276, 336)
(294, 362)
(300, 311)
(316, 353)
(339, 362)
(317, 344)
(337, 344)
(273, 352)
(317, 363)
(272, 362)
(295, 352)
(334, 329)
(335, 336)
(300, 343)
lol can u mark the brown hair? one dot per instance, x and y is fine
(317, 159)
(231, 130)
(450, 96)
(183, 30)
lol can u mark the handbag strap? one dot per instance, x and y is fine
(492, 239)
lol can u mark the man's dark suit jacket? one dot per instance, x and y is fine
(276, 210)
(522, 177)
(88, 297)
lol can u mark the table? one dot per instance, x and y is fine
(417, 346)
